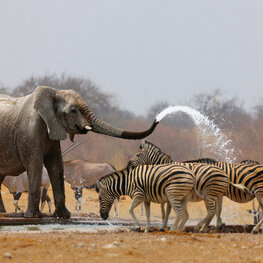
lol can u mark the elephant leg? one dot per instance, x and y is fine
(54, 165)
(2, 207)
(34, 172)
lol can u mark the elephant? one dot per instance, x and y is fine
(31, 128)
(19, 184)
(83, 174)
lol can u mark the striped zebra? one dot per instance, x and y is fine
(249, 175)
(155, 159)
(149, 183)
(211, 182)
(256, 212)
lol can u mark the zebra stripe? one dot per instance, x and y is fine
(211, 182)
(248, 174)
(149, 183)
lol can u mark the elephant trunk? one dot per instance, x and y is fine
(102, 127)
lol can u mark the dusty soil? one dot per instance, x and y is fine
(122, 245)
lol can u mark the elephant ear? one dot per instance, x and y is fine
(44, 104)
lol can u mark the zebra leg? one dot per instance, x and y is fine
(163, 212)
(256, 228)
(141, 209)
(219, 223)
(17, 196)
(166, 216)
(177, 206)
(148, 214)
(185, 215)
(135, 202)
(204, 223)
(115, 207)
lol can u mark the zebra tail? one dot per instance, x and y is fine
(243, 188)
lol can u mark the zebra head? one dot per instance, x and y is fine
(138, 159)
(106, 200)
(149, 154)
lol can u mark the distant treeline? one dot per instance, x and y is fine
(175, 135)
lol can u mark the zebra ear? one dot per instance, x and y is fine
(142, 144)
(98, 186)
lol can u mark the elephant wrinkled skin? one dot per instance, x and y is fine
(31, 128)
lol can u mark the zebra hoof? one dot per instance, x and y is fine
(254, 232)
(221, 227)
(161, 230)
(196, 230)
(137, 229)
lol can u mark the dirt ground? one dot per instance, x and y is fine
(123, 245)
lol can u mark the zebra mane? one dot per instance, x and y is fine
(125, 169)
(249, 162)
(203, 160)
(150, 144)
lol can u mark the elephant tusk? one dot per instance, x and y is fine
(88, 128)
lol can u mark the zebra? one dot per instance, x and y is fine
(211, 182)
(148, 183)
(257, 213)
(155, 159)
(249, 175)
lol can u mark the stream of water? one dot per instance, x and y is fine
(211, 139)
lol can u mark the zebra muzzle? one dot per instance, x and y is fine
(104, 216)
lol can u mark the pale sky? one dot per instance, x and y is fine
(143, 51)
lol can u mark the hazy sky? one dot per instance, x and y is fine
(143, 51)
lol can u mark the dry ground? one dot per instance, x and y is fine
(121, 245)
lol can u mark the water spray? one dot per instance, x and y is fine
(221, 145)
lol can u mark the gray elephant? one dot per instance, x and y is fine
(31, 128)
